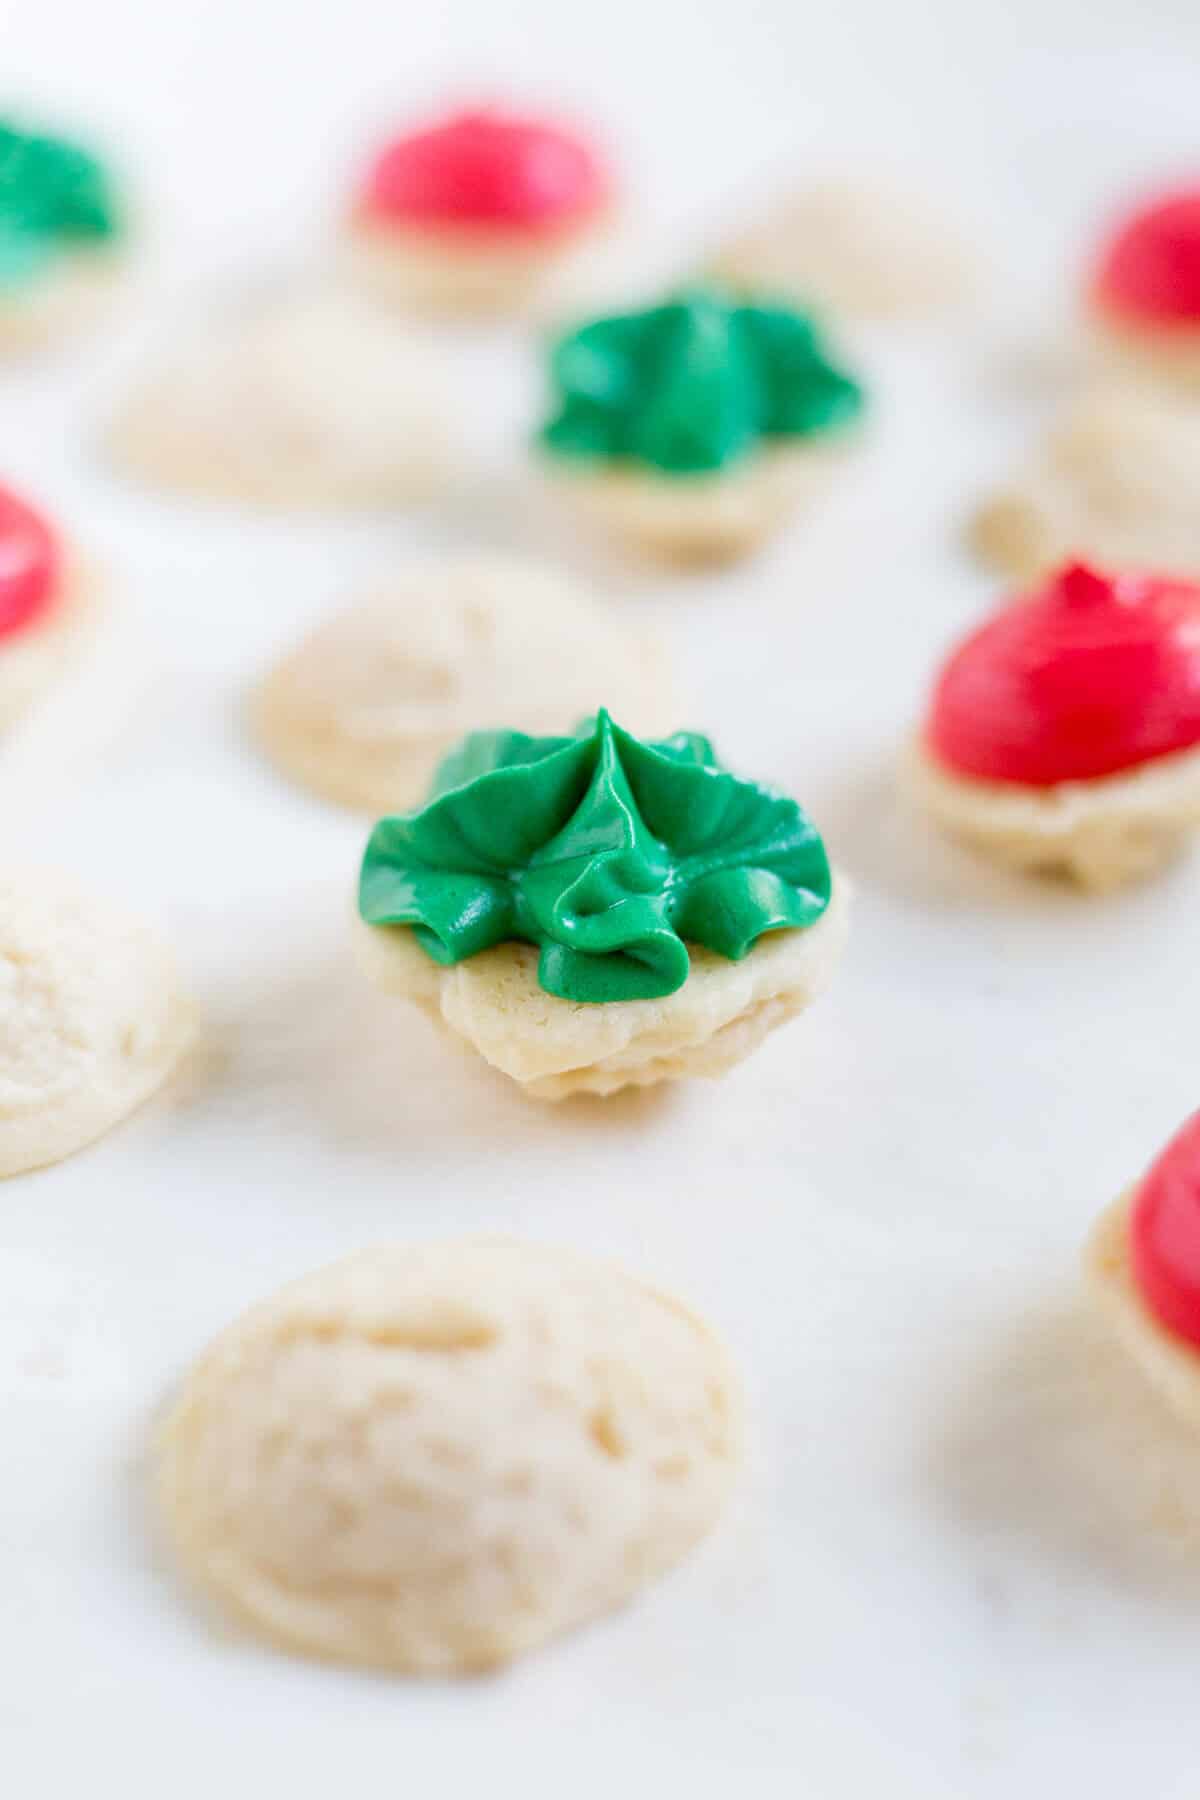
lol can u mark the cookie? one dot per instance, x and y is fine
(432, 1459)
(853, 247)
(92, 1018)
(695, 428)
(1063, 736)
(308, 401)
(593, 913)
(363, 710)
(475, 213)
(61, 230)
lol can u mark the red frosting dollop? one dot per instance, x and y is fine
(29, 563)
(1164, 1234)
(486, 169)
(1150, 270)
(1089, 675)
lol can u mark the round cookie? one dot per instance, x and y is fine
(316, 400)
(60, 230)
(92, 1018)
(494, 1004)
(1063, 736)
(475, 213)
(1143, 1268)
(694, 428)
(1118, 480)
(855, 247)
(591, 913)
(363, 710)
(431, 1459)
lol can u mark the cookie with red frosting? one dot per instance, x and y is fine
(1144, 287)
(45, 605)
(1143, 1262)
(1063, 735)
(474, 211)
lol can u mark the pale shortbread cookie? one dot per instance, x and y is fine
(1101, 833)
(1169, 1364)
(366, 706)
(473, 272)
(65, 298)
(1118, 481)
(434, 1458)
(92, 1018)
(312, 400)
(700, 518)
(32, 659)
(555, 1048)
(854, 247)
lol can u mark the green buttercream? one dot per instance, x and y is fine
(51, 192)
(611, 855)
(693, 385)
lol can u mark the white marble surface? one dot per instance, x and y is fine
(960, 1566)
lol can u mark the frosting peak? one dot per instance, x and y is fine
(692, 385)
(608, 853)
(1089, 675)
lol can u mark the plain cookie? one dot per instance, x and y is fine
(432, 1459)
(365, 707)
(92, 1018)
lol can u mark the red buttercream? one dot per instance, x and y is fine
(1150, 270)
(1164, 1234)
(1089, 675)
(29, 564)
(486, 170)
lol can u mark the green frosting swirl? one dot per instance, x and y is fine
(608, 853)
(51, 192)
(693, 385)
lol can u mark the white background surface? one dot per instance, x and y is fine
(960, 1563)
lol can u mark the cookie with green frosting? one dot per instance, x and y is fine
(694, 385)
(54, 195)
(596, 912)
(609, 854)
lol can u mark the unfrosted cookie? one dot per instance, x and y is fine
(1118, 479)
(859, 248)
(475, 213)
(365, 707)
(593, 912)
(694, 428)
(60, 231)
(494, 1004)
(312, 400)
(1143, 1267)
(1063, 736)
(92, 1018)
(434, 1458)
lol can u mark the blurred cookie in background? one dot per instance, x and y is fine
(477, 212)
(854, 247)
(1143, 292)
(1117, 478)
(307, 400)
(63, 232)
(695, 428)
